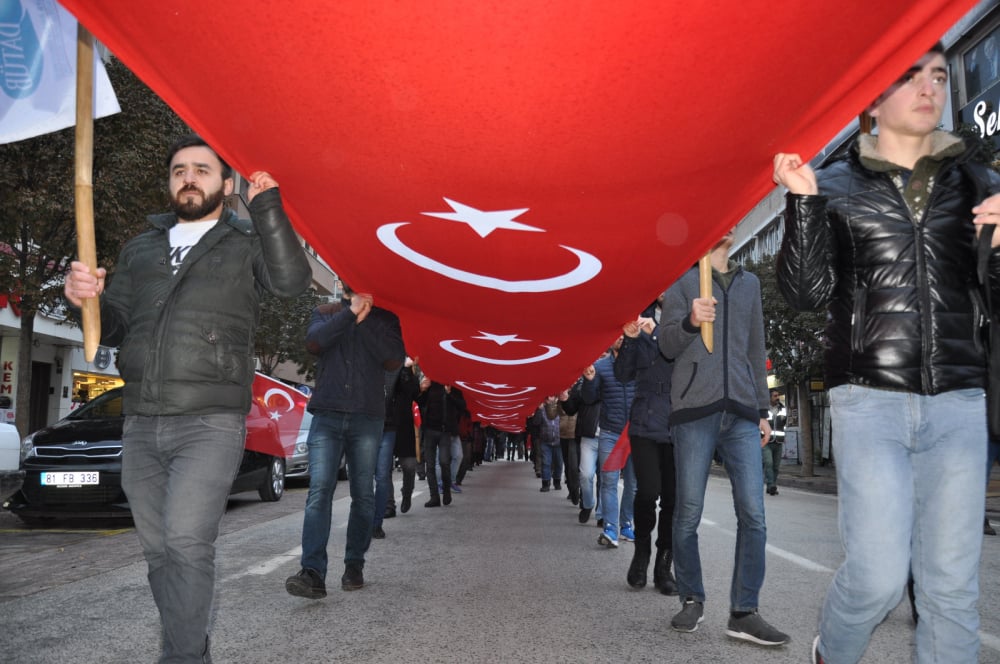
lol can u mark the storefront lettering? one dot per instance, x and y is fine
(7, 378)
(986, 123)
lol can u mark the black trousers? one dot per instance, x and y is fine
(571, 462)
(653, 461)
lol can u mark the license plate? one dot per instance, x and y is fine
(75, 478)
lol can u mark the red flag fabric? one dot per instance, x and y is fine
(275, 417)
(515, 178)
(619, 453)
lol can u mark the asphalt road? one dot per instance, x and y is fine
(505, 574)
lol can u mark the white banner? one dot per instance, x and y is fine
(38, 71)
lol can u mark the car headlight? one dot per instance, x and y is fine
(301, 447)
(27, 447)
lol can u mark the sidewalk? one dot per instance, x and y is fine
(824, 480)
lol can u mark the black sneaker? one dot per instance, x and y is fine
(390, 513)
(353, 578)
(584, 515)
(307, 583)
(433, 502)
(755, 629)
(405, 507)
(689, 617)
(378, 533)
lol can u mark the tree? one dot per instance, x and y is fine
(795, 345)
(37, 221)
(281, 335)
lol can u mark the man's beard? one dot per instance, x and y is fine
(192, 210)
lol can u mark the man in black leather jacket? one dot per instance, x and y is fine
(884, 239)
(183, 306)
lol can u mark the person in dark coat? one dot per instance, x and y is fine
(183, 307)
(640, 359)
(405, 391)
(441, 408)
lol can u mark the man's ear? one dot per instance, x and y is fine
(872, 108)
(227, 186)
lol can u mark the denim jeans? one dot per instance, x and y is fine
(771, 455)
(331, 434)
(457, 456)
(911, 494)
(614, 517)
(588, 469)
(437, 445)
(653, 461)
(465, 463)
(738, 442)
(552, 462)
(177, 472)
(383, 475)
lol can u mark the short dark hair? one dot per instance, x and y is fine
(866, 121)
(194, 140)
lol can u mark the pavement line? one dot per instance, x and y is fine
(267, 566)
(271, 564)
(990, 641)
(798, 560)
(794, 558)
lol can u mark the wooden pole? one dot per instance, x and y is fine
(705, 291)
(86, 243)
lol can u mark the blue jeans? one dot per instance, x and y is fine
(552, 462)
(456, 457)
(588, 469)
(609, 485)
(383, 475)
(911, 495)
(177, 473)
(738, 442)
(332, 434)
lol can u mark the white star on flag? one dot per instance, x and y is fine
(482, 221)
(499, 339)
(494, 386)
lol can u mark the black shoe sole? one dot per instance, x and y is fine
(302, 590)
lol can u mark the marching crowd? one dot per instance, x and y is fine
(890, 239)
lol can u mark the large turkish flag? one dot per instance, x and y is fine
(515, 178)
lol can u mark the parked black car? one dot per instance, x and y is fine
(73, 467)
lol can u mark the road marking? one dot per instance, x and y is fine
(793, 558)
(990, 641)
(798, 560)
(267, 566)
(282, 559)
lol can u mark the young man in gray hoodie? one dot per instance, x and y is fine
(719, 402)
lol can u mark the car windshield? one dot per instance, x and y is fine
(307, 419)
(107, 405)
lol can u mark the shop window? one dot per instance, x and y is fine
(87, 386)
(982, 65)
